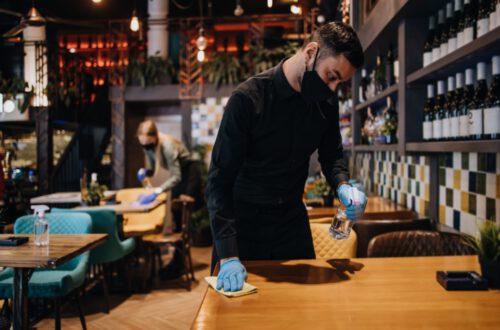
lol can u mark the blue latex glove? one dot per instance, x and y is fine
(232, 275)
(354, 201)
(141, 174)
(146, 199)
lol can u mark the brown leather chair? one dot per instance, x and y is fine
(367, 229)
(412, 243)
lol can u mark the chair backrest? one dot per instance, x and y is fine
(104, 221)
(63, 223)
(367, 229)
(185, 206)
(417, 243)
(327, 247)
(156, 218)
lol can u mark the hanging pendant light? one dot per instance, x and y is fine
(134, 22)
(201, 42)
(200, 56)
(97, 1)
(296, 8)
(238, 11)
(269, 3)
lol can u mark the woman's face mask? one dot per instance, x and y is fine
(149, 146)
(313, 88)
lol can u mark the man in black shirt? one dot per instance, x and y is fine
(272, 124)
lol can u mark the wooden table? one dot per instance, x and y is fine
(125, 207)
(388, 293)
(26, 257)
(69, 197)
(378, 208)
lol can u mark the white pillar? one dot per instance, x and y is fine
(32, 35)
(157, 32)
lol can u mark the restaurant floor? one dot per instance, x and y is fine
(168, 306)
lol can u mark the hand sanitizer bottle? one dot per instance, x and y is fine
(341, 226)
(41, 227)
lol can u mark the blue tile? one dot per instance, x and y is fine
(456, 219)
(413, 204)
(472, 182)
(491, 163)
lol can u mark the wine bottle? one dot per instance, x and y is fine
(380, 82)
(389, 68)
(483, 18)
(493, 14)
(395, 66)
(363, 85)
(448, 108)
(464, 104)
(428, 114)
(437, 123)
(455, 108)
(390, 122)
(468, 21)
(457, 20)
(492, 111)
(452, 29)
(428, 42)
(478, 104)
(436, 44)
(447, 24)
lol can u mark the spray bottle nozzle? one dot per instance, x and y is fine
(40, 209)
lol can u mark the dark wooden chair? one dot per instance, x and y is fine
(180, 241)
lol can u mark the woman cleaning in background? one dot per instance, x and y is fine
(169, 167)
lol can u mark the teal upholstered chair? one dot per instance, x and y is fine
(65, 279)
(105, 221)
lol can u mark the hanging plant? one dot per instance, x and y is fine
(223, 69)
(12, 87)
(142, 71)
(261, 59)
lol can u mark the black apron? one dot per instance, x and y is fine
(272, 232)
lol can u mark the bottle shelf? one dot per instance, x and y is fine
(492, 146)
(377, 98)
(480, 49)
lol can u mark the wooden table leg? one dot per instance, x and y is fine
(20, 300)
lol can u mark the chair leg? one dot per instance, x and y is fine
(104, 284)
(57, 313)
(80, 310)
(190, 260)
(185, 269)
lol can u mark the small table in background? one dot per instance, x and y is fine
(27, 257)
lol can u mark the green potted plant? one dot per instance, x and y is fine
(487, 246)
(323, 189)
(11, 88)
(94, 194)
(223, 69)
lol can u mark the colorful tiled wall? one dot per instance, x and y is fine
(403, 179)
(205, 119)
(469, 189)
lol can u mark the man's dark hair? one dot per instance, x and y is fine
(338, 38)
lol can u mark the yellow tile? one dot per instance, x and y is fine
(422, 173)
(442, 214)
(421, 206)
(498, 185)
(427, 192)
(456, 179)
(464, 197)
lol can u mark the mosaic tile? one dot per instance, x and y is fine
(464, 198)
(457, 160)
(490, 209)
(472, 204)
(442, 214)
(472, 181)
(449, 197)
(456, 220)
(473, 161)
(481, 183)
(465, 160)
(456, 178)
(481, 162)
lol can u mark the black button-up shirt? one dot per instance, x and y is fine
(261, 154)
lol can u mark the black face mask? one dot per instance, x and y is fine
(312, 87)
(149, 146)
